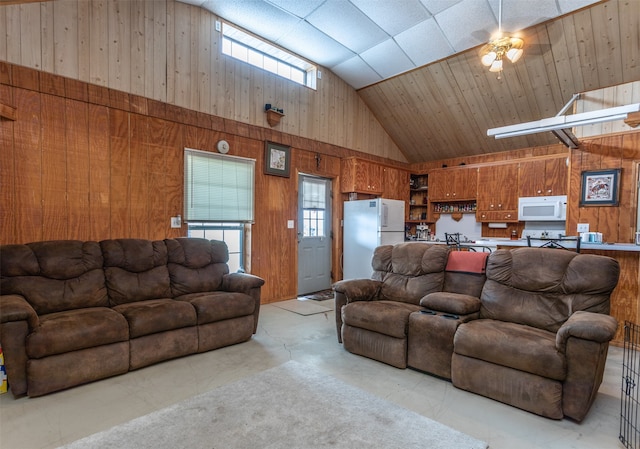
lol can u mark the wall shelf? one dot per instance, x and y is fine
(273, 117)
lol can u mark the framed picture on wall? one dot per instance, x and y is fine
(277, 159)
(600, 187)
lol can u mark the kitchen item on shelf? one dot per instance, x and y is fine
(367, 225)
(543, 233)
(423, 232)
(591, 237)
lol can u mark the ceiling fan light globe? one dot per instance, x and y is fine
(496, 66)
(488, 58)
(514, 54)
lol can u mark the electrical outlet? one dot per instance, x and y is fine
(218, 25)
(176, 222)
(583, 227)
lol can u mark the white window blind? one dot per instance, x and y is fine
(218, 187)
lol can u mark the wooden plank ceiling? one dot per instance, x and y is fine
(443, 110)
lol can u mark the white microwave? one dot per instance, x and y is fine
(542, 208)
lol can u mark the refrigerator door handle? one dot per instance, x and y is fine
(384, 222)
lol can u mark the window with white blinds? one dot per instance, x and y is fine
(218, 187)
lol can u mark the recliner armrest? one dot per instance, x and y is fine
(358, 289)
(353, 290)
(455, 303)
(17, 319)
(16, 308)
(587, 326)
(241, 282)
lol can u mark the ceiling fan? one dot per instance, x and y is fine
(501, 46)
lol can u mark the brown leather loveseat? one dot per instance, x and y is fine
(532, 330)
(73, 312)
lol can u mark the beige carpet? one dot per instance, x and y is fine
(302, 307)
(290, 406)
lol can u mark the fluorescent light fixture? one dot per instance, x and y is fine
(564, 121)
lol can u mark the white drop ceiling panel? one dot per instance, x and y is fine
(357, 71)
(296, 7)
(518, 14)
(261, 18)
(436, 6)
(424, 43)
(313, 44)
(387, 59)
(336, 18)
(566, 6)
(406, 13)
(464, 24)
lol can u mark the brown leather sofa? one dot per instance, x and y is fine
(531, 331)
(72, 312)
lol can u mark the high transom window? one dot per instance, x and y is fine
(247, 48)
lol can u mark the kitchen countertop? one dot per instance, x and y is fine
(492, 243)
(595, 246)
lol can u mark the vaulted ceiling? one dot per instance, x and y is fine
(415, 63)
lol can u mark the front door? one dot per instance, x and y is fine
(314, 234)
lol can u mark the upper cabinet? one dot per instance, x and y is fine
(544, 177)
(396, 183)
(453, 184)
(361, 176)
(498, 193)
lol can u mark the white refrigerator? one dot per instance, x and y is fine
(367, 225)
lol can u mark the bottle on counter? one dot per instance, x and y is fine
(514, 235)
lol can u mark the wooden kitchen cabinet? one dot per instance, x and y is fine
(361, 176)
(544, 177)
(453, 184)
(497, 193)
(395, 183)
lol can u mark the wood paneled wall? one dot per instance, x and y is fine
(87, 162)
(170, 52)
(617, 224)
(608, 97)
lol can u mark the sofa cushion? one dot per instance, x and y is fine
(135, 270)
(512, 345)
(72, 330)
(54, 276)
(385, 317)
(542, 287)
(196, 265)
(451, 303)
(217, 306)
(156, 315)
(409, 271)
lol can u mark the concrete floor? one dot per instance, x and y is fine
(62, 417)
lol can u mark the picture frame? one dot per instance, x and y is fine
(277, 159)
(600, 187)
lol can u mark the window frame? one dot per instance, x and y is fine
(259, 46)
